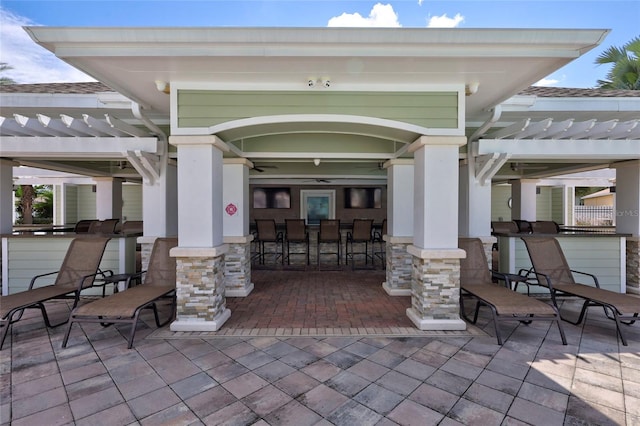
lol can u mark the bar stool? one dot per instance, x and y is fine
(378, 238)
(360, 234)
(296, 233)
(329, 234)
(267, 233)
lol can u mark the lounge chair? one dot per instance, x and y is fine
(126, 306)
(78, 270)
(552, 271)
(505, 304)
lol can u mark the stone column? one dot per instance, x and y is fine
(108, 198)
(628, 217)
(200, 254)
(6, 196)
(235, 226)
(399, 226)
(523, 199)
(435, 290)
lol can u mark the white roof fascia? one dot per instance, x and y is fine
(237, 41)
(561, 149)
(566, 104)
(74, 147)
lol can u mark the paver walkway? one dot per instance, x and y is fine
(358, 379)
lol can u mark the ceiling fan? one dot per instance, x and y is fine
(516, 167)
(260, 169)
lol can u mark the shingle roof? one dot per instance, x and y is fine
(566, 92)
(66, 88)
(97, 87)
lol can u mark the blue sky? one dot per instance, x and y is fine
(31, 64)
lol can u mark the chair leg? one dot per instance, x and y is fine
(66, 334)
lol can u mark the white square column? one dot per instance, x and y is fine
(400, 181)
(235, 224)
(108, 198)
(628, 217)
(200, 292)
(435, 290)
(474, 218)
(160, 204)
(6, 196)
(523, 199)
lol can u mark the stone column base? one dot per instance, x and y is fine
(633, 265)
(200, 289)
(146, 245)
(435, 289)
(398, 270)
(435, 324)
(237, 266)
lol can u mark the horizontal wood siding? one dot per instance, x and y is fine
(132, 202)
(29, 257)
(199, 108)
(557, 205)
(71, 204)
(86, 202)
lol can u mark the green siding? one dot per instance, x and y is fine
(198, 108)
(543, 203)
(132, 202)
(500, 211)
(557, 205)
(86, 202)
(71, 207)
(318, 142)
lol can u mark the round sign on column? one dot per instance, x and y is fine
(231, 209)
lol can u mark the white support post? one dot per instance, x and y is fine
(160, 204)
(474, 218)
(435, 290)
(523, 195)
(6, 196)
(400, 181)
(108, 198)
(235, 224)
(627, 211)
(200, 256)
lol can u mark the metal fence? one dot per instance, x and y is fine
(594, 215)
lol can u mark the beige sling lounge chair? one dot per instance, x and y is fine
(78, 270)
(505, 304)
(553, 272)
(126, 306)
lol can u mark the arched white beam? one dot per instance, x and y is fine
(322, 123)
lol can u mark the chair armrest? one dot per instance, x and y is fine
(595, 279)
(132, 277)
(500, 276)
(33, 280)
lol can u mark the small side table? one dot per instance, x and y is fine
(116, 280)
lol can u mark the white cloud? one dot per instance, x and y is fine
(420, 2)
(546, 82)
(31, 63)
(444, 21)
(381, 15)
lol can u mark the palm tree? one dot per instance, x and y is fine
(625, 73)
(6, 80)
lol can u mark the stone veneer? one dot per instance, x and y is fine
(435, 289)
(237, 269)
(633, 265)
(399, 266)
(200, 288)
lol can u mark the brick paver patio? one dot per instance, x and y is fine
(365, 376)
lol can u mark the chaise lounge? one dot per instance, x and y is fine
(78, 271)
(505, 304)
(126, 306)
(552, 271)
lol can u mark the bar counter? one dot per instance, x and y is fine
(598, 253)
(25, 254)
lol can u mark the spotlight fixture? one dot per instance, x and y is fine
(471, 88)
(163, 86)
(316, 161)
